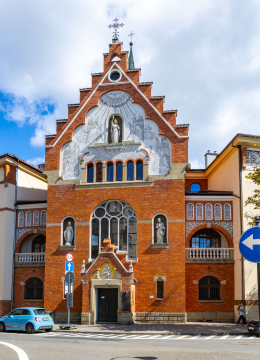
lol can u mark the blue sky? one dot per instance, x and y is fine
(203, 55)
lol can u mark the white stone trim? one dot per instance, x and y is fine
(32, 206)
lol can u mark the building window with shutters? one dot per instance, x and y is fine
(110, 172)
(20, 219)
(199, 212)
(227, 212)
(36, 218)
(209, 288)
(208, 212)
(130, 170)
(218, 212)
(139, 170)
(119, 171)
(28, 218)
(43, 217)
(190, 212)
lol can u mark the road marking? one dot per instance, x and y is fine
(168, 337)
(195, 337)
(223, 337)
(209, 337)
(238, 337)
(252, 337)
(21, 354)
(181, 337)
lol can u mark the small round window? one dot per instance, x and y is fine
(114, 76)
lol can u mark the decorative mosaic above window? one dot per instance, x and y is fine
(253, 157)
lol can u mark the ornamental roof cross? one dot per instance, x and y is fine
(116, 26)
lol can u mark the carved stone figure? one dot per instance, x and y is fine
(115, 131)
(106, 272)
(68, 234)
(160, 231)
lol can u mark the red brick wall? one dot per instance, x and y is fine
(221, 272)
(5, 307)
(22, 274)
(164, 197)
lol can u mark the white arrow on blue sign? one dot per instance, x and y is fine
(249, 244)
(69, 266)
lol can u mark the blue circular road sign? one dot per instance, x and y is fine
(249, 244)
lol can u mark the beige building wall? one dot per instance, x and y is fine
(226, 177)
(30, 188)
(251, 286)
(7, 218)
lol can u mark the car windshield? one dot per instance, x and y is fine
(40, 312)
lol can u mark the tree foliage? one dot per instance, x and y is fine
(255, 198)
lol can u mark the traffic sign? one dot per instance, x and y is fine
(69, 266)
(249, 244)
(69, 277)
(69, 257)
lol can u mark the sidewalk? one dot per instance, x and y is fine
(190, 328)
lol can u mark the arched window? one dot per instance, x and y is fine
(139, 170)
(38, 244)
(36, 218)
(43, 217)
(33, 289)
(195, 187)
(190, 212)
(110, 172)
(20, 219)
(209, 288)
(99, 172)
(28, 218)
(130, 170)
(206, 238)
(199, 212)
(115, 220)
(90, 173)
(119, 171)
(208, 212)
(160, 231)
(227, 212)
(218, 212)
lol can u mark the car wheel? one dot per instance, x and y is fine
(29, 328)
(2, 327)
(48, 330)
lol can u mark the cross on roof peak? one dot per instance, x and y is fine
(116, 25)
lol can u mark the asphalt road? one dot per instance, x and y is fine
(61, 346)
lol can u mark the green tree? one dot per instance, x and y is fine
(255, 198)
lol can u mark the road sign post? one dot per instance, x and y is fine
(249, 246)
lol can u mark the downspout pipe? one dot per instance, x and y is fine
(14, 244)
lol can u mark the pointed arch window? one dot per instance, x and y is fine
(227, 212)
(130, 170)
(99, 172)
(218, 212)
(110, 172)
(139, 170)
(43, 217)
(199, 212)
(190, 212)
(90, 173)
(117, 221)
(36, 218)
(28, 218)
(208, 212)
(119, 171)
(20, 219)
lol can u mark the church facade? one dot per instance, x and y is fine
(152, 241)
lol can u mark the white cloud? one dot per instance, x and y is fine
(36, 161)
(203, 55)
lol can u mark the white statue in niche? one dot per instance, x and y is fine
(115, 131)
(106, 272)
(68, 234)
(160, 231)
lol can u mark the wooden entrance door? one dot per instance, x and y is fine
(107, 305)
